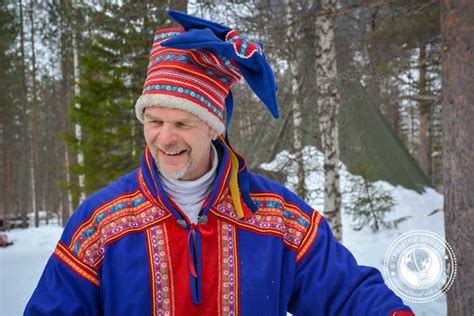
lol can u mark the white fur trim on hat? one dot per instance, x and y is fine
(170, 101)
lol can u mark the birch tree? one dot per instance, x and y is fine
(77, 105)
(295, 98)
(457, 27)
(424, 109)
(328, 109)
(26, 176)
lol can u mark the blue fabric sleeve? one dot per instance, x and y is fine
(61, 291)
(330, 282)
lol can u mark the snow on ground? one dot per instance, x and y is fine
(369, 248)
(21, 264)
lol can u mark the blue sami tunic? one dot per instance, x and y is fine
(129, 250)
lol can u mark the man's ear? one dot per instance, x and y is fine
(213, 134)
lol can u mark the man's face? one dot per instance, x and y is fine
(179, 141)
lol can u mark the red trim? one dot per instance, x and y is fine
(251, 228)
(402, 313)
(201, 62)
(182, 82)
(146, 190)
(150, 170)
(289, 223)
(217, 63)
(287, 204)
(190, 78)
(124, 233)
(311, 234)
(159, 31)
(237, 272)
(222, 184)
(235, 73)
(188, 68)
(151, 272)
(94, 213)
(63, 254)
(184, 71)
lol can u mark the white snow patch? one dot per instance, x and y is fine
(22, 263)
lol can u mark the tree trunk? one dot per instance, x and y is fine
(457, 25)
(26, 174)
(7, 163)
(295, 100)
(77, 126)
(328, 108)
(65, 98)
(424, 108)
(35, 148)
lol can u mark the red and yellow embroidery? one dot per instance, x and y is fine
(310, 236)
(161, 271)
(275, 216)
(62, 253)
(228, 291)
(126, 214)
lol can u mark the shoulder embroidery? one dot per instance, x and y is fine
(63, 253)
(310, 236)
(125, 214)
(275, 216)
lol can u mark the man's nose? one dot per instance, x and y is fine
(167, 134)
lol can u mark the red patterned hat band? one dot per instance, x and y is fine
(195, 80)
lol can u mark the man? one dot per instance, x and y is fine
(192, 231)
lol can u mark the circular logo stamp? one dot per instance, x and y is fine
(419, 266)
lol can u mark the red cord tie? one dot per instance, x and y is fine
(205, 231)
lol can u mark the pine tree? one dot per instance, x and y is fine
(112, 74)
(369, 203)
(8, 106)
(458, 147)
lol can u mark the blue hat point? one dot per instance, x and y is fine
(226, 42)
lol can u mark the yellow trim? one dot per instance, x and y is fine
(153, 272)
(233, 183)
(237, 272)
(89, 222)
(264, 231)
(308, 240)
(76, 265)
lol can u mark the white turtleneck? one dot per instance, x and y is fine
(189, 195)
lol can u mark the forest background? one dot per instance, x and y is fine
(71, 72)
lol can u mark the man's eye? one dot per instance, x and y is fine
(180, 125)
(155, 122)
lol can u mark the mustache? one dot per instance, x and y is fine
(173, 147)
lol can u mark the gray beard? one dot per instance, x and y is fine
(175, 175)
